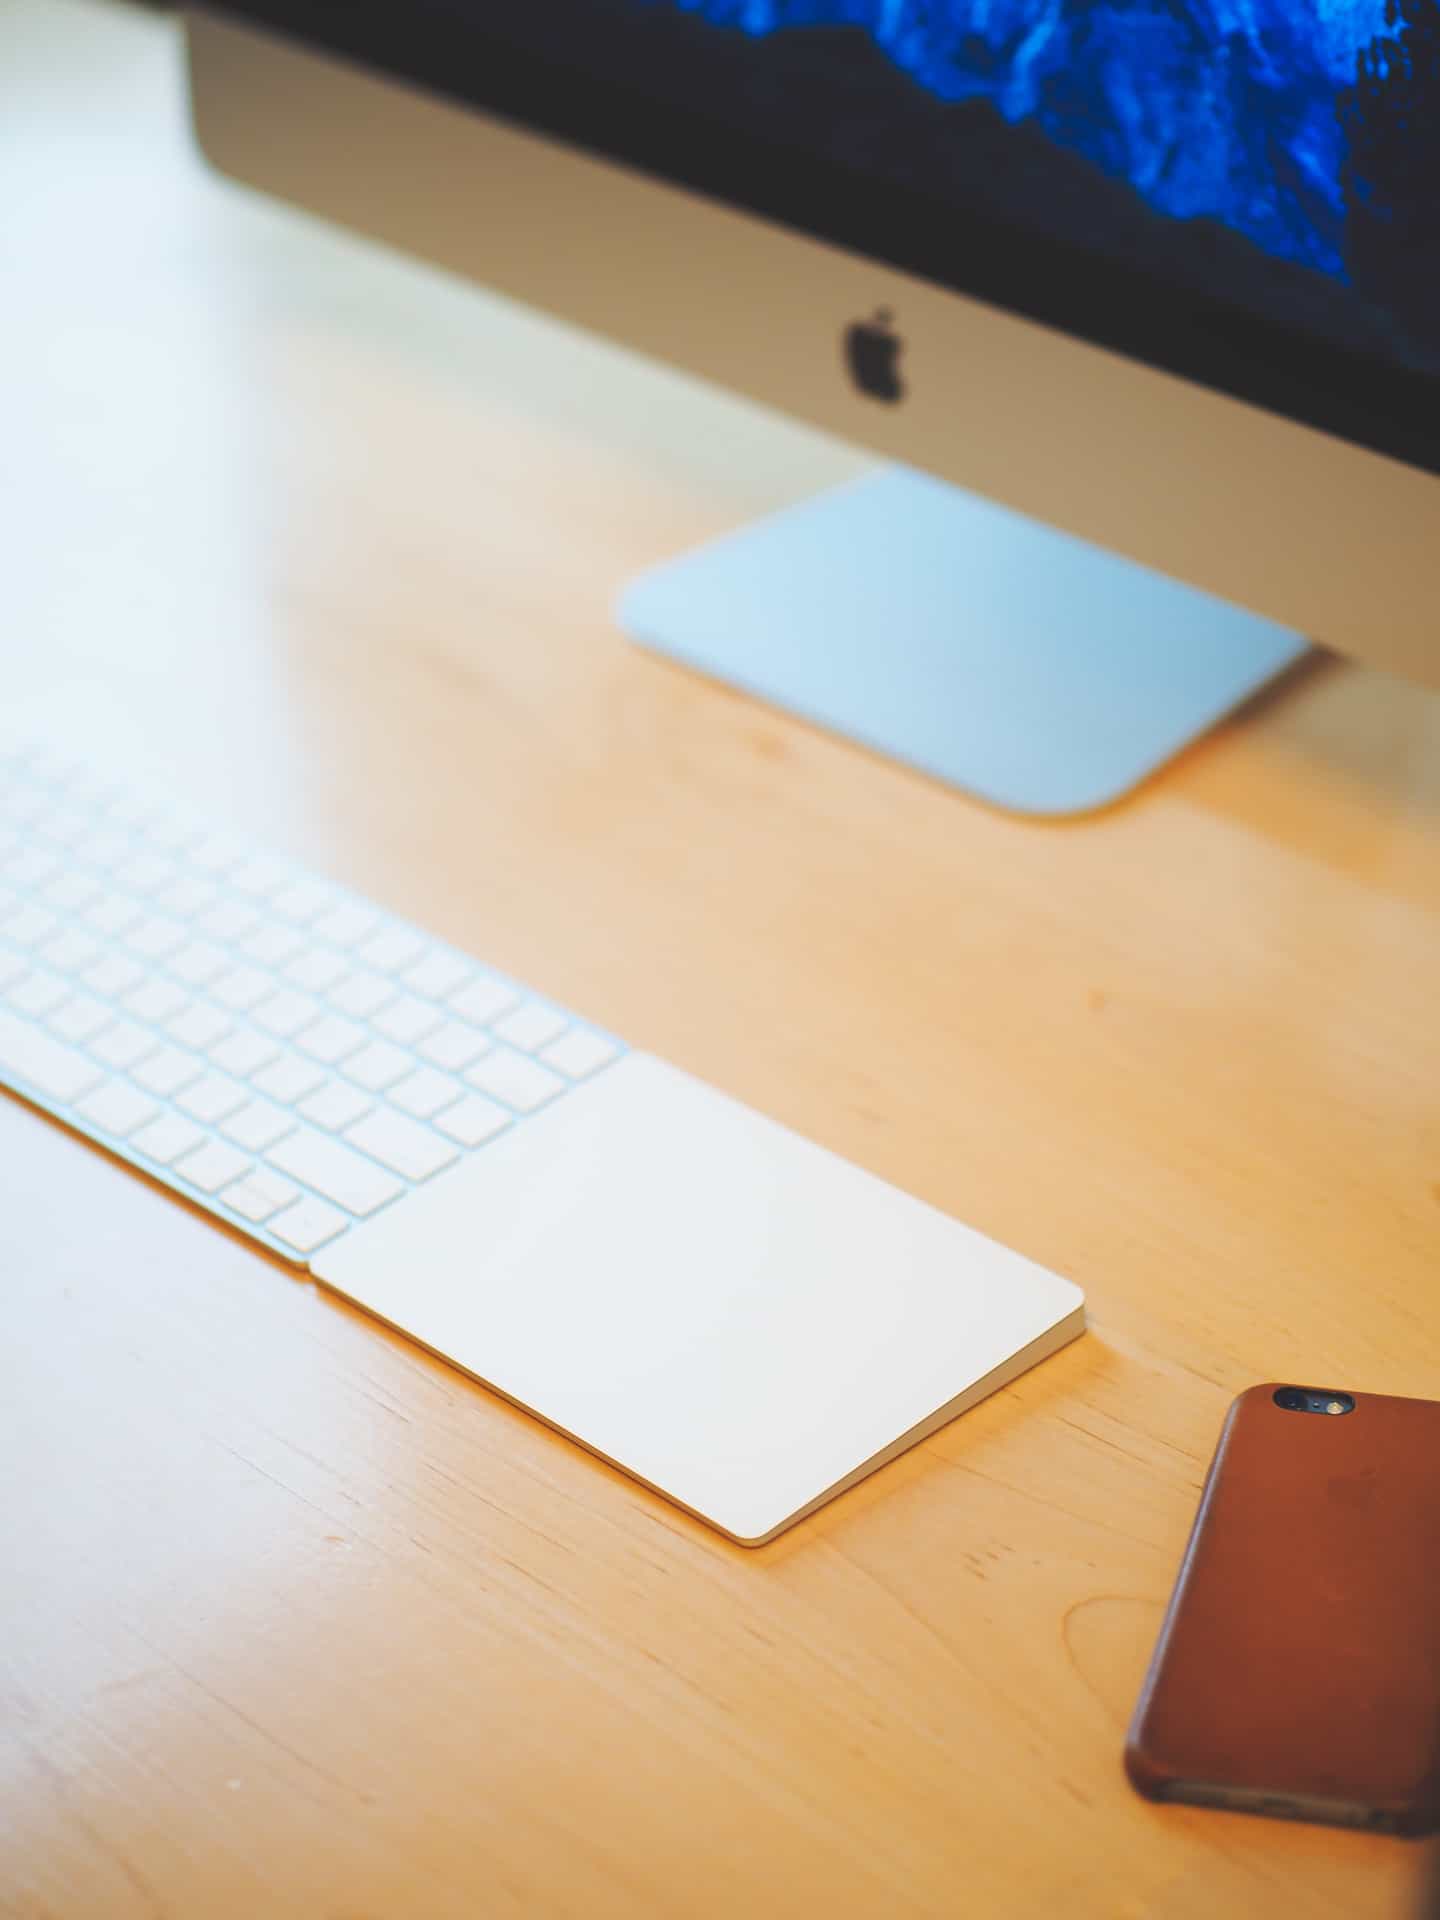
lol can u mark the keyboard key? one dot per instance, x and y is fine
(522, 1083)
(21, 807)
(335, 1107)
(454, 1045)
(186, 897)
(13, 841)
(483, 1000)
(438, 975)
(113, 976)
(258, 1126)
(307, 1225)
(228, 921)
(346, 925)
(31, 867)
(112, 914)
(531, 1027)
(104, 849)
(407, 1020)
(378, 1066)
(259, 879)
(116, 1109)
(212, 1167)
(165, 1140)
(411, 1150)
(21, 802)
(289, 1079)
(213, 1098)
(347, 1178)
(69, 892)
(123, 1044)
(199, 1027)
(361, 994)
(474, 1120)
(286, 1012)
(37, 994)
(198, 963)
(173, 833)
(242, 988)
(69, 951)
(331, 1039)
(55, 1070)
(580, 1053)
(316, 970)
(260, 1194)
(48, 767)
(80, 1018)
(64, 827)
(302, 901)
(31, 926)
(167, 1071)
(425, 1092)
(145, 873)
(38, 763)
(271, 945)
(392, 950)
(155, 937)
(244, 1053)
(156, 1001)
(215, 854)
(129, 809)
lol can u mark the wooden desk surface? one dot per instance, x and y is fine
(294, 1620)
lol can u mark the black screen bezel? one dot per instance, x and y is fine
(1373, 402)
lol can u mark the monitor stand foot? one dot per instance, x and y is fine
(1027, 668)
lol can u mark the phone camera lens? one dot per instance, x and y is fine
(1313, 1400)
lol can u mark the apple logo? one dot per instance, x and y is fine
(872, 353)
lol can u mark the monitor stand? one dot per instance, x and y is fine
(1022, 665)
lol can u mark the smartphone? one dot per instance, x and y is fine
(1298, 1669)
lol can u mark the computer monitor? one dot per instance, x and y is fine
(1140, 298)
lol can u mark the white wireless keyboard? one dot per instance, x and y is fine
(275, 1048)
(738, 1318)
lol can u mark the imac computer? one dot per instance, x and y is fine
(1137, 300)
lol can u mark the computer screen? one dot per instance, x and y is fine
(1243, 191)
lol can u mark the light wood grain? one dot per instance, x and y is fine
(295, 1621)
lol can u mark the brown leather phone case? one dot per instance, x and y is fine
(1298, 1669)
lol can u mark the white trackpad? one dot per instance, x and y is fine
(721, 1308)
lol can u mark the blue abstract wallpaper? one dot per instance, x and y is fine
(1309, 127)
(1207, 107)
(1277, 160)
